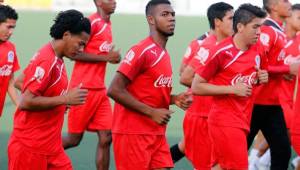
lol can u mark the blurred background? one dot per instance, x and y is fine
(129, 27)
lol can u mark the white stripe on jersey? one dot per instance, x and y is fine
(103, 28)
(147, 48)
(95, 20)
(159, 58)
(222, 49)
(60, 73)
(289, 43)
(235, 58)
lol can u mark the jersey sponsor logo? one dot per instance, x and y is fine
(129, 57)
(247, 79)
(153, 52)
(229, 53)
(163, 81)
(264, 39)
(39, 73)
(6, 70)
(10, 57)
(105, 46)
(291, 60)
(188, 52)
(202, 55)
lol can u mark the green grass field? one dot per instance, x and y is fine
(33, 31)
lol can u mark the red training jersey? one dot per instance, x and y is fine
(230, 66)
(92, 75)
(8, 65)
(40, 131)
(148, 67)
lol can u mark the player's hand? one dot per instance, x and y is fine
(183, 100)
(294, 68)
(76, 96)
(243, 90)
(263, 76)
(161, 116)
(114, 56)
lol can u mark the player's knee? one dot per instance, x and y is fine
(75, 141)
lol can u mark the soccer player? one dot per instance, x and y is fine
(235, 69)
(8, 56)
(142, 91)
(267, 112)
(95, 114)
(177, 150)
(197, 143)
(36, 141)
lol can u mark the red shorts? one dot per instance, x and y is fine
(287, 107)
(21, 158)
(295, 138)
(229, 147)
(141, 152)
(95, 114)
(197, 141)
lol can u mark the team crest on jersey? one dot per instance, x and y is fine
(129, 56)
(264, 39)
(202, 55)
(257, 61)
(10, 57)
(188, 52)
(39, 73)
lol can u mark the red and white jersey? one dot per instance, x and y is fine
(40, 131)
(92, 75)
(292, 55)
(8, 65)
(148, 67)
(273, 39)
(295, 129)
(230, 66)
(201, 104)
(193, 48)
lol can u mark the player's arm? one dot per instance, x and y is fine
(19, 81)
(186, 77)
(30, 101)
(12, 91)
(113, 56)
(118, 92)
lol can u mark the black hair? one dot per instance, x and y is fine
(296, 7)
(7, 12)
(153, 3)
(217, 11)
(246, 13)
(267, 4)
(70, 20)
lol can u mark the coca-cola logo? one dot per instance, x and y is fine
(163, 81)
(247, 79)
(6, 70)
(105, 46)
(291, 60)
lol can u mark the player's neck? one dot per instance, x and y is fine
(55, 44)
(290, 31)
(274, 16)
(103, 15)
(159, 39)
(239, 42)
(220, 36)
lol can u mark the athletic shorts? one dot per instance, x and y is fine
(229, 147)
(95, 114)
(141, 152)
(21, 158)
(197, 141)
